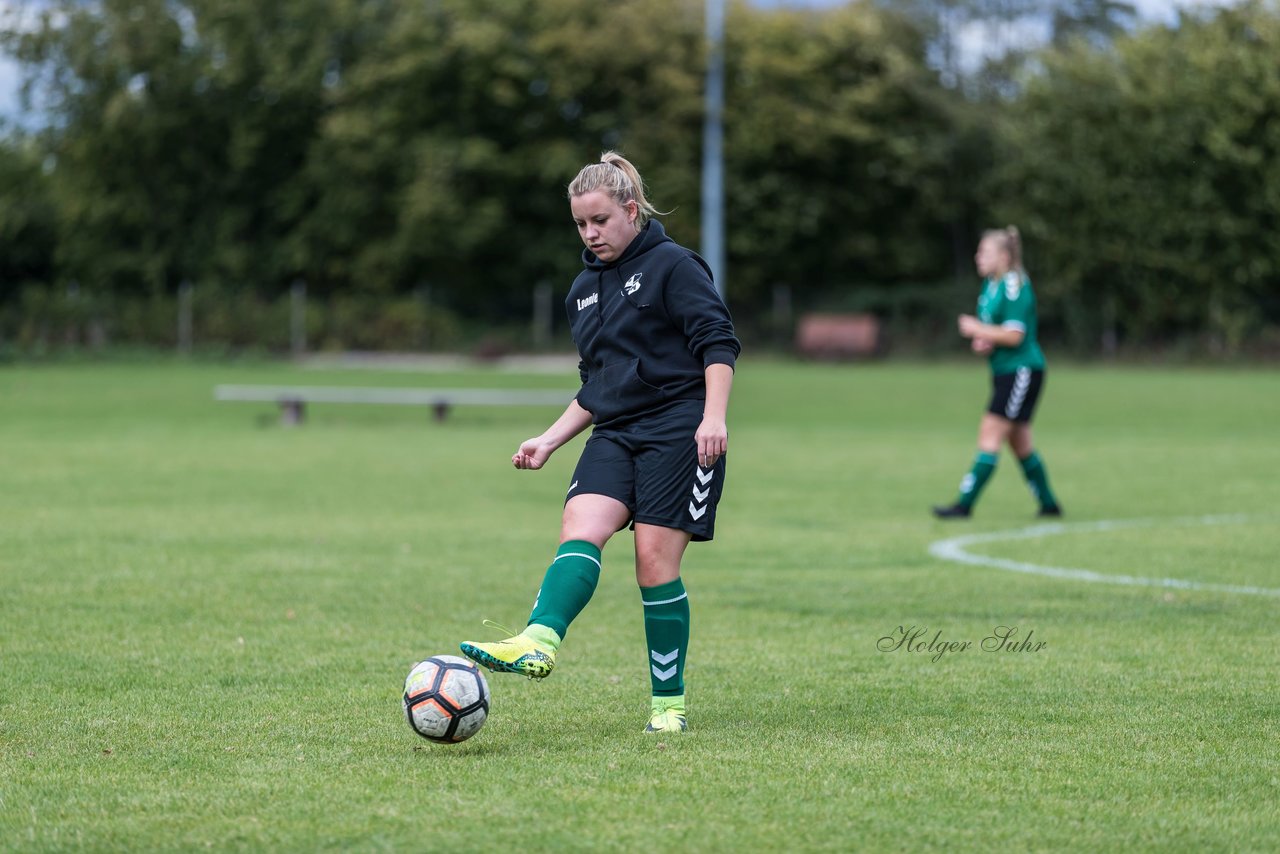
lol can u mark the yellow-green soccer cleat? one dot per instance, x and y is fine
(667, 715)
(516, 654)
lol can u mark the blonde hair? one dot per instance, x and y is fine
(1010, 240)
(619, 180)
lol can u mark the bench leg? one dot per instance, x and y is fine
(440, 409)
(292, 412)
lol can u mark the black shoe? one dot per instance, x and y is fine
(953, 511)
(1053, 511)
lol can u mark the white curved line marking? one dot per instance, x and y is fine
(953, 549)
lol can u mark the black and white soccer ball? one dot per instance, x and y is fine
(446, 698)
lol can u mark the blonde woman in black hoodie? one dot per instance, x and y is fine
(657, 351)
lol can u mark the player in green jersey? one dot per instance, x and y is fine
(1004, 330)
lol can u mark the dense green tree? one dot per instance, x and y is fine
(983, 47)
(28, 219)
(379, 146)
(842, 153)
(176, 130)
(446, 155)
(1148, 179)
(372, 148)
(1098, 22)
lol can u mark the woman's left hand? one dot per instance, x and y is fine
(712, 438)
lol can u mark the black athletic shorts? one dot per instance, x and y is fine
(651, 465)
(1014, 395)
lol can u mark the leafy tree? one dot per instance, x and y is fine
(1010, 32)
(28, 224)
(841, 150)
(176, 132)
(373, 147)
(1148, 179)
(447, 152)
(1098, 22)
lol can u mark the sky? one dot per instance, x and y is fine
(10, 76)
(1155, 11)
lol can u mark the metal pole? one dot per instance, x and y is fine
(185, 291)
(541, 315)
(712, 147)
(782, 314)
(424, 297)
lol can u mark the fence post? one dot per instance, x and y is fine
(185, 311)
(298, 318)
(1110, 339)
(541, 315)
(782, 314)
(71, 334)
(424, 296)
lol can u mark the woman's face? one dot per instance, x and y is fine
(606, 227)
(991, 259)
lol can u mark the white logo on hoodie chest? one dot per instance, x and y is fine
(586, 301)
(632, 285)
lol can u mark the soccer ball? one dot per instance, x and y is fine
(446, 699)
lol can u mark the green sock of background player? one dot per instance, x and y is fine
(984, 464)
(1038, 480)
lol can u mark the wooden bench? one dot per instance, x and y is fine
(838, 336)
(293, 400)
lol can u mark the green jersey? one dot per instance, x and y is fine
(1010, 303)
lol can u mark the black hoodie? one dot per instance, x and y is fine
(646, 327)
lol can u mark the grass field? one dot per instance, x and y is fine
(206, 619)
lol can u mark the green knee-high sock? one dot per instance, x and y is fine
(1038, 479)
(976, 478)
(666, 627)
(566, 588)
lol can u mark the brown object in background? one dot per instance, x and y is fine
(838, 337)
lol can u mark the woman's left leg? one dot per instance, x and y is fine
(1033, 468)
(659, 551)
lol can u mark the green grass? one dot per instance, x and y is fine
(206, 619)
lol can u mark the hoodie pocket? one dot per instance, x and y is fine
(616, 390)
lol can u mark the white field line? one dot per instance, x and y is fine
(954, 549)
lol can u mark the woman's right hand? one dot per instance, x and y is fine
(532, 453)
(536, 451)
(982, 345)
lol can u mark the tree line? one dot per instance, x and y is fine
(407, 162)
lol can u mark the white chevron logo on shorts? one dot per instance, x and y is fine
(704, 478)
(1021, 383)
(664, 675)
